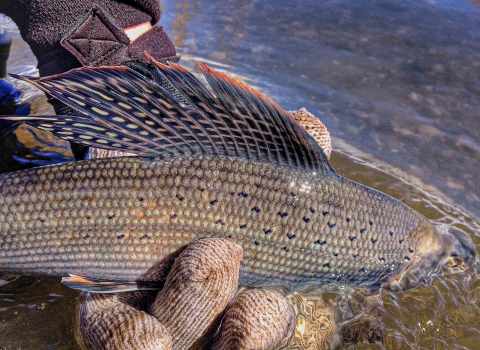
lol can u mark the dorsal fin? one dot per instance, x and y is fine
(123, 110)
(287, 142)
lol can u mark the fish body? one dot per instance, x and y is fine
(298, 222)
(114, 218)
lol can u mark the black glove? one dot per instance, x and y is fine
(65, 34)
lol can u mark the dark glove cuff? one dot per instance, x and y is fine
(98, 40)
(62, 33)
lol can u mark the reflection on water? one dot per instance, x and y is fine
(397, 84)
(37, 313)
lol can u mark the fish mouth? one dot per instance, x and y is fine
(450, 252)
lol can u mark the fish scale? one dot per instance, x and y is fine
(115, 218)
(234, 165)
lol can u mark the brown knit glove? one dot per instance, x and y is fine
(197, 301)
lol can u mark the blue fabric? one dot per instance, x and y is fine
(8, 94)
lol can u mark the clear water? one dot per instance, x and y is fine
(398, 86)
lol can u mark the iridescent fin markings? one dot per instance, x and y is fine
(103, 286)
(7, 278)
(124, 101)
(152, 122)
(89, 132)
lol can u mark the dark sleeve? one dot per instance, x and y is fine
(64, 34)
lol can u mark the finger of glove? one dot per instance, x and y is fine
(315, 128)
(256, 319)
(106, 323)
(201, 283)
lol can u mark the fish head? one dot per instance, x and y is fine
(434, 251)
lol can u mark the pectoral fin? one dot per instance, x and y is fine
(107, 286)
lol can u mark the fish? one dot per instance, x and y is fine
(229, 163)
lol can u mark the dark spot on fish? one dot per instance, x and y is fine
(232, 193)
(179, 197)
(325, 213)
(201, 189)
(257, 242)
(362, 270)
(86, 237)
(243, 226)
(256, 209)
(326, 265)
(370, 222)
(88, 216)
(401, 241)
(320, 242)
(374, 240)
(335, 254)
(363, 230)
(391, 233)
(352, 238)
(267, 230)
(286, 249)
(348, 219)
(220, 222)
(229, 236)
(312, 210)
(381, 259)
(282, 214)
(243, 194)
(290, 236)
(41, 219)
(213, 202)
(407, 258)
(293, 194)
(110, 216)
(411, 250)
(306, 219)
(258, 185)
(172, 216)
(140, 199)
(143, 237)
(331, 225)
(355, 256)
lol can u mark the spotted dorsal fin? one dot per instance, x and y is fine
(122, 110)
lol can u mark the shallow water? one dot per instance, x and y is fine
(397, 85)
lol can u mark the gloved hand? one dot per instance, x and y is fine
(191, 311)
